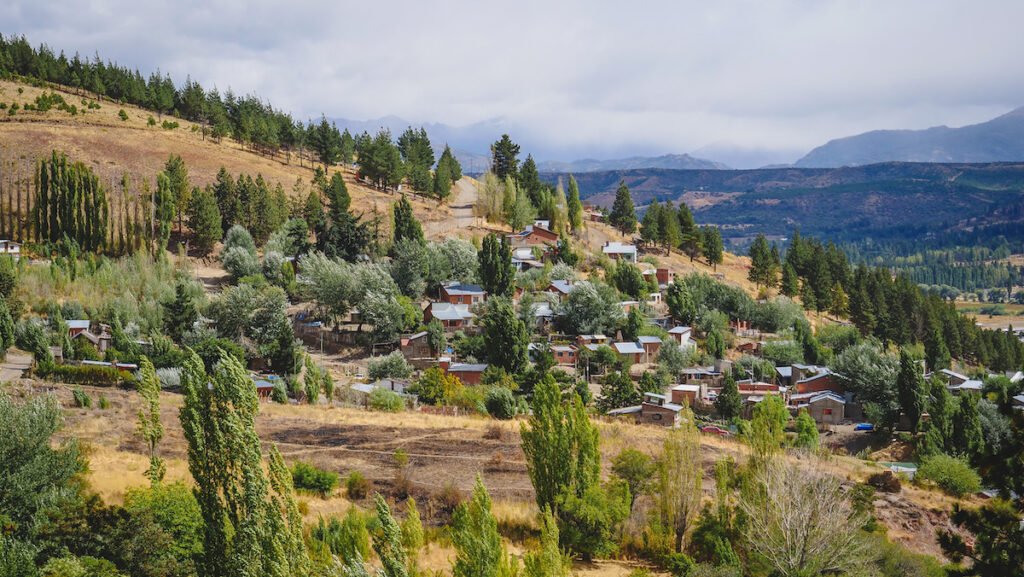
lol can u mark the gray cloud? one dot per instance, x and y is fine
(580, 78)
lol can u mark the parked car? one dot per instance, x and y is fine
(713, 430)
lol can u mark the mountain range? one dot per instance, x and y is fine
(998, 140)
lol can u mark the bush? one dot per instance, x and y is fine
(82, 400)
(886, 482)
(239, 262)
(104, 404)
(393, 366)
(357, 487)
(122, 115)
(151, 121)
(280, 393)
(308, 477)
(386, 401)
(500, 403)
(170, 378)
(92, 375)
(952, 475)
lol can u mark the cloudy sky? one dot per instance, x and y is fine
(580, 78)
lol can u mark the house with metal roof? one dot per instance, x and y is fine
(451, 316)
(619, 251)
(457, 293)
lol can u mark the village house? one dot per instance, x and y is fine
(468, 373)
(686, 394)
(565, 355)
(654, 410)
(681, 335)
(619, 251)
(591, 342)
(457, 293)
(664, 276)
(398, 386)
(416, 350)
(264, 387)
(523, 259)
(630, 352)
(825, 381)
(651, 345)
(10, 248)
(533, 235)
(825, 408)
(99, 336)
(560, 289)
(544, 317)
(452, 317)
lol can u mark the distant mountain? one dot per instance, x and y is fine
(998, 140)
(894, 200)
(669, 161)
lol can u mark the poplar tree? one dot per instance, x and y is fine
(496, 271)
(152, 431)
(478, 549)
(177, 172)
(680, 474)
(574, 207)
(163, 206)
(548, 560)
(387, 542)
(506, 337)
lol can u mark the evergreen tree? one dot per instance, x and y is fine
(504, 161)
(967, 437)
(228, 202)
(529, 181)
(163, 205)
(574, 207)
(686, 223)
(478, 548)
(177, 173)
(180, 313)
(790, 282)
(650, 225)
(387, 542)
(669, 225)
(325, 142)
(496, 271)
(763, 269)
(506, 338)
(406, 226)
(713, 247)
(204, 219)
(618, 391)
(911, 390)
(152, 431)
(622, 216)
(548, 560)
(729, 403)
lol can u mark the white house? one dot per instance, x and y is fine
(620, 251)
(11, 248)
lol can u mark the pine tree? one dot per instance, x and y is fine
(713, 246)
(729, 403)
(574, 207)
(623, 216)
(228, 203)
(504, 161)
(763, 270)
(205, 221)
(669, 225)
(326, 142)
(790, 282)
(406, 226)
(180, 314)
(911, 390)
(650, 225)
(177, 173)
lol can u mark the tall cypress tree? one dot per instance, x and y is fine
(623, 215)
(496, 271)
(574, 207)
(911, 390)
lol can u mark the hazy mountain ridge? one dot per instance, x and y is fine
(666, 161)
(998, 140)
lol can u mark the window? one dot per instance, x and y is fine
(828, 411)
(656, 417)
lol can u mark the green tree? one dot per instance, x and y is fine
(204, 219)
(387, 542)
(681, 304)
(496, 271)
(561, 446)
(729, 403)
(177, 173)
(478, 548)
(150, 427)
(637, 469)
(164, 205)
(713, 247)
(911, 390)
(790, 282)
(679, 479)
(174, 508)
(180, 313)
(247, 524)
(617, 391)
(506, 337)
(406, 226)
(326, 142)
(763, 269)
(574, 207)
(412, 530)
(768, 427)
(548, 560)
(504, 157)
(623, 216)
(806, 431)
(6, 328)
(998, 547)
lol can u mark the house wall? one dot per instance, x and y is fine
(567, 358)
(684, 397)
(826, 383)
(651, 350)
(469, 377)
(417, 349)
(827, 412)
(655, 415)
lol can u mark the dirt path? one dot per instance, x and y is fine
(461, 203)
(14, 365)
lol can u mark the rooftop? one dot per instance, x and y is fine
(450, 312)
(467, 368)
(628, 348)
(618, 248)
(457, 288)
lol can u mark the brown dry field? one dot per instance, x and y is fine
(442, 450)
(112, 147)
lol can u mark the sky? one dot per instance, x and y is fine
(761, 80)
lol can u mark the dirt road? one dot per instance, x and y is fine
(462, 201)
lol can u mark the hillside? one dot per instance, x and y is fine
(667, 161)
(113, 147)
(889, 200)
(998, 140)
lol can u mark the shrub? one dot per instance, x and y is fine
(386, 401)
(392, 366)
(151, 121)
(345, 538)
(308, 477)
(886, 482)
(240, 263)
(104, 404)
(122, 115)
(280, 393)
(357, 487)
(82, 400)
(170, 378)
(500, 403)
(449, 498)
(952, 475)
(92, 375)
